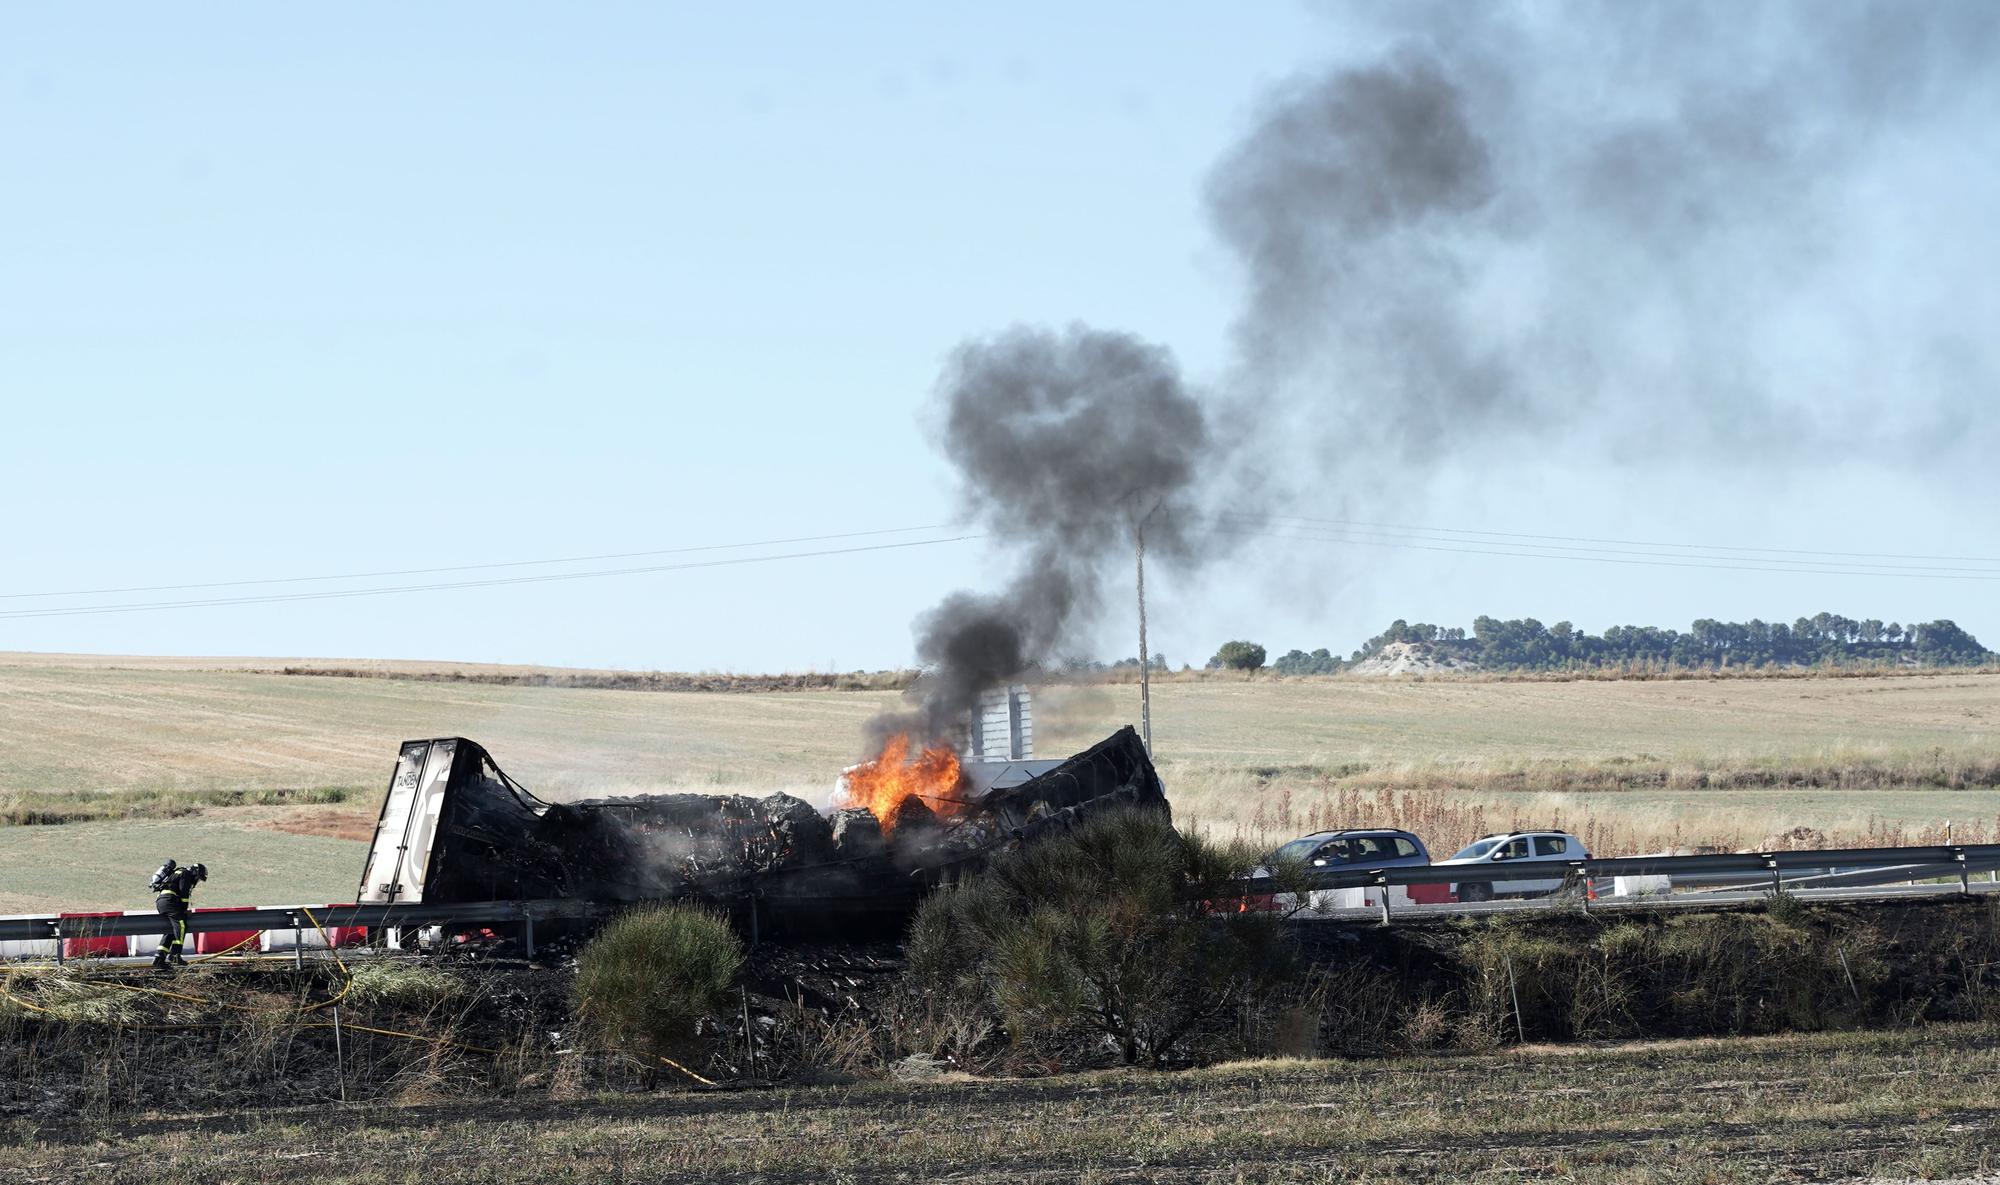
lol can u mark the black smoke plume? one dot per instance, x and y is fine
(1066, 444)
(1653, 230)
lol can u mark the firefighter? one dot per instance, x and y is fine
(172, 887)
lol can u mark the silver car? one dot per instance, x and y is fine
(1515, 847)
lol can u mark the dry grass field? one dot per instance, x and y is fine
(1633, 765)
(104, 865)
(1813, 1107)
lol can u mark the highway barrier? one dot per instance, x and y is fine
(77, 935)
(285, 926)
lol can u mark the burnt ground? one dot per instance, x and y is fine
(1794, 1108)
(476, 1049)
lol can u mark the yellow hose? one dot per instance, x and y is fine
(226, 950)
(346, 975)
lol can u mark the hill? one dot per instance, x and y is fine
(1525, 644)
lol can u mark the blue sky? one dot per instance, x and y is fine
(290, 293)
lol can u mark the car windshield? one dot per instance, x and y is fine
(1478, 848)
(1298, 849)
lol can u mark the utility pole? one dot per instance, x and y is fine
(1145, 659)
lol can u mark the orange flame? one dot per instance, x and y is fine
(884, 783)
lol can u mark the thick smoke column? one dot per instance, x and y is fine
(1065, 442)
(1677, 228)
(1602, 231)
(1321, 201)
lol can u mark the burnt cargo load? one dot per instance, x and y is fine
(455, 828)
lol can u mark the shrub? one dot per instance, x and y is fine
(1238, 656)
(401, 985)
(1565, 988)
(651, 974)
(68, 997)
(1691, 975)
(1100, 934)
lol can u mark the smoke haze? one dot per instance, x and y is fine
(1648, 231)
(1685, 228)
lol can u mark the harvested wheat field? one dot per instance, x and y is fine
(1630, 765)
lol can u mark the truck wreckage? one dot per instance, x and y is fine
(455, 828)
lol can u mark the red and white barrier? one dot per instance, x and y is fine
(206, 942)
(309, 937)
(85, 948)
(1370, 897)
(214, 942)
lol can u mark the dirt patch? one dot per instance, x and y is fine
(328, 822)
(1412, 658)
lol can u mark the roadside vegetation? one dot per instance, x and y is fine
(1482, 1050)
(1100, 934)
(1099, 947)
(27, 808)
(1004, 1041)
(1658, 810)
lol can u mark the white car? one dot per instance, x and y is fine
(1515, 847)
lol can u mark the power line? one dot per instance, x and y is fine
(1554, 549)
(1877, 555)
(337, 594)
(1690, 562)
(574, 559)
(1284, 527)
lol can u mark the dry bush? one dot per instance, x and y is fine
(1293, 1032)
(1746, 973)
(652, 974)
(408, 987)
(1429, 1024)
(1554, 986)
(1099, 935)
(72, 998)
(961, 1032)
(1360, 1009)
(440, 1074)
(1681, 975)
(808, 1044)
(1450, 813)
(570, 1080)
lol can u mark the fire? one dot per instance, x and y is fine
(884, 783)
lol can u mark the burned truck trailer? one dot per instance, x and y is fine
(455, 828)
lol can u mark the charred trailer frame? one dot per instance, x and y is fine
(455, 828)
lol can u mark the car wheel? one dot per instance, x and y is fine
(1475, 892)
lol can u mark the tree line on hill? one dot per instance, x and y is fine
(1525, 644)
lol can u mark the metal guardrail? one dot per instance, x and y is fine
(1828, 867)
(1739, 898)
(1857, 866)
(307, 918)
